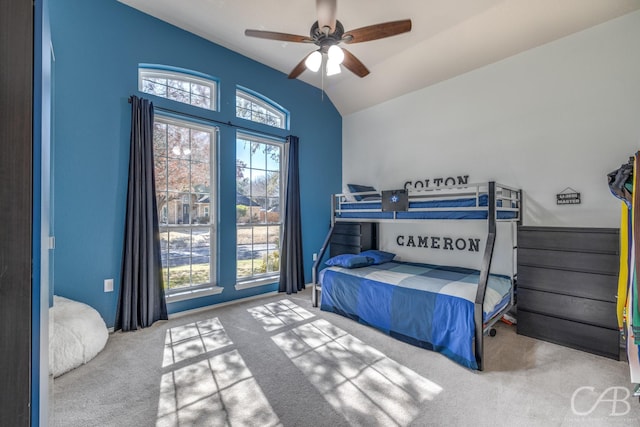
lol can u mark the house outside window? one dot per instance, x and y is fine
(258, 208)
(184, 176)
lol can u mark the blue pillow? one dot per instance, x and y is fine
(379, 257)
(350, 261)
(355, 188)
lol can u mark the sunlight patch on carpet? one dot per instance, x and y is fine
(359, 382)
(278, 314)
(219, 390)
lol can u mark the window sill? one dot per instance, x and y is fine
(258, 282)
(195, 293)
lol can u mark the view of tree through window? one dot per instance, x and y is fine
(177, 86)
(258, 110)
(184, 175)
(258, 206)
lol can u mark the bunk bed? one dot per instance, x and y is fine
(447, 309)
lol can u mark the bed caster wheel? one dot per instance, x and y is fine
(492, 332)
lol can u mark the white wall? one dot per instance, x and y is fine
(560, 115)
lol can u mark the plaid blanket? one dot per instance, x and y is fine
(426, 305)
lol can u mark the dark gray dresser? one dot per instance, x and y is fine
(567, 286)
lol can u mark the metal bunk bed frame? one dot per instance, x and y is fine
(481, 329)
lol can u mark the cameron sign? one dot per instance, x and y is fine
(436, 242)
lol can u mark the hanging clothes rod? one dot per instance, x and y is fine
(218, 122)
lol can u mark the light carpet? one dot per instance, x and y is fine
(277, 361)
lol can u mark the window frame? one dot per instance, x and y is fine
(211, 287)
(269, 277)
(262, 101)
(180, 74)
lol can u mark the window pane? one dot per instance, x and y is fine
(160, 139)
(154, 88)
(179, 84)
(181, 87)
(257, 208)
(183, 195)
(259, 110)
(200, 101)
(200, 145)
(244, 253)
(178, 95)
(200, 255)
(179, 258)
(273, 158)
(164, 251)
(178, 175)
(200, 176)
(178, 142)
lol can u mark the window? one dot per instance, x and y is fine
(188, 87)
(258, 207)
(254, 107)
(184, 171)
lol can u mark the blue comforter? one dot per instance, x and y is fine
(425, 305)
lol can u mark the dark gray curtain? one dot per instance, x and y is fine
(141, 300)
(291, 260)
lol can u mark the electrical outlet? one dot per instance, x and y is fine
(315, 257)
(108, 285)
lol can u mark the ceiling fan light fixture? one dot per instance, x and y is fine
(333, 67)
(335, 54)
(313, 61)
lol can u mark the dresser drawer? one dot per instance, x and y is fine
(602, 287)
(593, 339)
(585, 310)
(569, 239)
(603, 263)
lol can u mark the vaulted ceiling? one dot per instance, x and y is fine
(448, 38)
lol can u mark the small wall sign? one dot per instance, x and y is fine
(568, 196)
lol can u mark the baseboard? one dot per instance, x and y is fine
(222, 304)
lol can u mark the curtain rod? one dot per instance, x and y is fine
(219, 122)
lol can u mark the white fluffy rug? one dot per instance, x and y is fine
(77, 333)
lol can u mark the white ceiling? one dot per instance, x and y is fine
(448, 38)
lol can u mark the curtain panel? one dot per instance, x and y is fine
(291, 259)
(141, 301)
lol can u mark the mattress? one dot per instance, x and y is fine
(426, 305)
(461, 208)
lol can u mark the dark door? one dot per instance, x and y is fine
(16, 127)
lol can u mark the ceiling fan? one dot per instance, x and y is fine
(327, 33)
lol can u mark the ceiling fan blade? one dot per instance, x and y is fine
(378, 31)
(353, 64)
(326, 10)
(298, 69)
(272, 35)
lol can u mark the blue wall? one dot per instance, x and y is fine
(98, 45)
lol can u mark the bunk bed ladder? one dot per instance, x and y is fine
(316, 264)
(484, 276)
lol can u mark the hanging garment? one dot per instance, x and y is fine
(623, 277)
(631, 318)
(634, 313)
(620, 182)
(624, 184)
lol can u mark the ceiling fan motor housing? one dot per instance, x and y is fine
(323, 38)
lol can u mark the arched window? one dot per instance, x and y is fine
(257, 108)
(188, 87)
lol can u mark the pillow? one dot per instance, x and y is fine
(350, 261)
(355, 188)
(379, 257)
